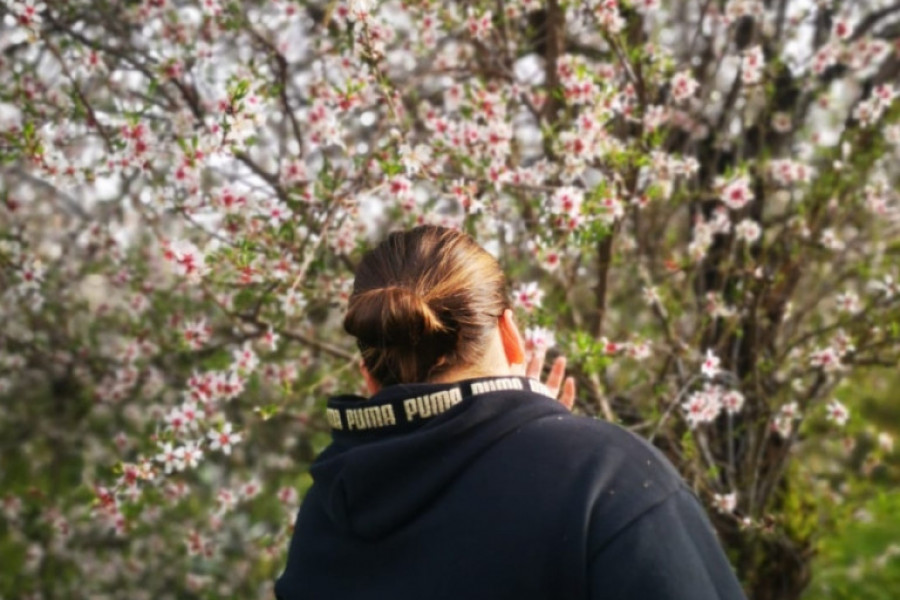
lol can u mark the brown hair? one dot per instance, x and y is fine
(424, 301)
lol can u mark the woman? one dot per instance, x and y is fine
(460, 478)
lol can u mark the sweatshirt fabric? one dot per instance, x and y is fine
(490, 489)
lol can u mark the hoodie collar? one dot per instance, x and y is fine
(395, 453)
(406, 407)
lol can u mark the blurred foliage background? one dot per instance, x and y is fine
(859, 549)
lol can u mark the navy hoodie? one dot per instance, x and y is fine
(489, 489)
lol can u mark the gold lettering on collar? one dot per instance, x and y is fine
(370, 417)
(496, 385)
(539, 388)
(334, 418)
(430, 405)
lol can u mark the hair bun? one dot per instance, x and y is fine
(424, 304)
(393, 316)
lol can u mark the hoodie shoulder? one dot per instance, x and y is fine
(611, 473)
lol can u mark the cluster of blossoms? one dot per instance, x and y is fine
(788, 172)
(704, 231)
(566, 203)
(705, 405)
(828, 359)
(860, 53)
(187, 260)
(882, 201)
(785, 418)
(665, 169)
(870, 111)
(638, 350)
(752, 66)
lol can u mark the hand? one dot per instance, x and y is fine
(534, 366)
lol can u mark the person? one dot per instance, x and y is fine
(462, 477)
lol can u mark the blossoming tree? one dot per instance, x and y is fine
(696, 202)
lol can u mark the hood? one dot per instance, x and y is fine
(394, 453)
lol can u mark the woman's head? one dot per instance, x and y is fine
(425, 302)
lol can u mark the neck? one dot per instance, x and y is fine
(472, 373)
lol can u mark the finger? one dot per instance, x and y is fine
(557, 372)
(567, 398)
(536, 364)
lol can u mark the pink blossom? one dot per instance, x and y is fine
(825, 57)
(189, 261)
(479, 26)
(196, 333)
(830, 240)
(781, 122)
(651, 295)
(245, 359)
(826, 359)
(684, 86)
(191, 453)
(837, 413)
(736, 194)
(28, 12)
(11, 507)
(292, 302)
(752, 66)
(747, 230)
(294, 172)
(888, 286)
(250, 489)
(841, 28)
(848, 302)
(567, 201)
(226, 499)
(610, 347)
(608, 16)
(551, 259)
(788, 172)
(539, 338)
(270, 340)
(725, 503)
(646, 6)
(710, 367)
(414, 158)
(195, 543)
(783, 423)
(733, 401)
(655, 117)
(720, 223)
(275, 212)
(223, 439)
(639, 350)
(169, 458)
(288, 496)
(189, 414)
(528, 296)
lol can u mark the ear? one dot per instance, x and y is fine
(371, 385)
(513, 344)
